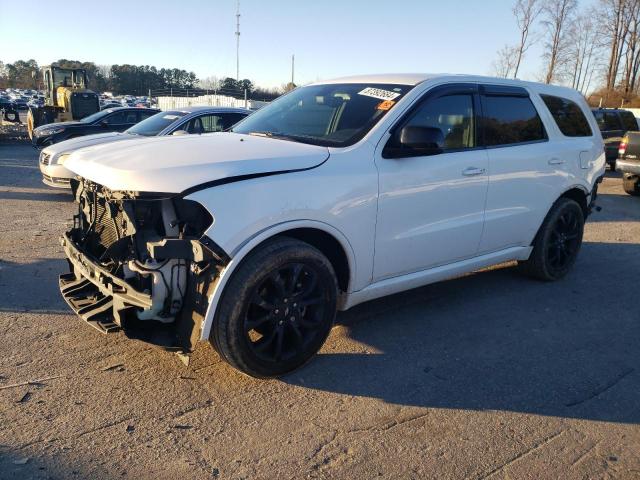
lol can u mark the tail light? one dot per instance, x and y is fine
(623, 146)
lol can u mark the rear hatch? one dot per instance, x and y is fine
(630, 147)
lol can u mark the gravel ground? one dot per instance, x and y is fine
(486, 376)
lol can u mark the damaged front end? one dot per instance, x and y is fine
(140, 263)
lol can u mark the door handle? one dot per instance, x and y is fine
(472, 171)
(556, 161)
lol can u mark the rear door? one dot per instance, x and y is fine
(524, 169)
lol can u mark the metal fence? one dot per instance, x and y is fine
(168, 99)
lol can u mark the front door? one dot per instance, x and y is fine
(431, 202)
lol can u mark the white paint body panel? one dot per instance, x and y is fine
(403, 223)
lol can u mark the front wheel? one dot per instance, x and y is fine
(277, 309)
(557, 243)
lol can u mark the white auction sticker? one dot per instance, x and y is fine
(379, 93)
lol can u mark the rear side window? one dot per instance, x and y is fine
(607, 120)
(568, 115)
(629, 121)
(509, 120)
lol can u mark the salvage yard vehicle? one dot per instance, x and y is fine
(110, 120)
(334, 194)
(175, 122)
(629, 163)
(67, 98)
(614, 123)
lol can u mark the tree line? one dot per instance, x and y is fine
(594, 49)
(130, 79)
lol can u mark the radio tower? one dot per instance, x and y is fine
(238, 43)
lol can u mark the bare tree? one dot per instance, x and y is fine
(556, 15)
(613, 15)
(632, 47)
(505, 63)
(583, 49)
(526, 12)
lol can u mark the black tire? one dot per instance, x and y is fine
(277, 309)
(612, 165)
(557, 243)
(631, 185)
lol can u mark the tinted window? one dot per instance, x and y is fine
(509, 120)
(452, 115)
(607, 120)
(628, 121)
(122, 117)
(568, 116)
(144, 114)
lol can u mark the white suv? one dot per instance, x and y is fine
(335, 194)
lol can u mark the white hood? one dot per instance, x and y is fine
(175, 163)
(72, 144)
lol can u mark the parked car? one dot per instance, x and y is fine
(332, 195)
(110, 120)
(613, 124)
(188, 120)
(109, 105)
(629, 163)
(20, 103)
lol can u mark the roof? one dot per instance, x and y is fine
(194, 109)
(417, 78)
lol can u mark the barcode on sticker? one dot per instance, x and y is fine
(379, 93)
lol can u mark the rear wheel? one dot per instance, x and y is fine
(557, 243)
(631, 184)
(277, 309)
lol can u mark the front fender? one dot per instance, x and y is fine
(243, 250)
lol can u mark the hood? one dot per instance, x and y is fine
(85, 141)
(174, 164)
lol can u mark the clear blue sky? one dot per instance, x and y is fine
(329, 37)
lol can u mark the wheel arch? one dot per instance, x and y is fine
(579, 194)
(330, 241)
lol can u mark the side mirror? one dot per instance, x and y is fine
(423, 140)
(104, 123)
(180, 132)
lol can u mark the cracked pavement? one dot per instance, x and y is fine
(487, 376)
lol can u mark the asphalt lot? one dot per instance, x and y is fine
(486, 376)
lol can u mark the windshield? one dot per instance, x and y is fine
(96, 116)
(330, 115)
(153, 125)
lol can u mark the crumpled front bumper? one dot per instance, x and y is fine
(93, 293)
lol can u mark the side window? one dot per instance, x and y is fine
(611, 121)
(629, 121)
(211, 123)
(230, 119)
(568, 115)
(509, 120)
(118, 118)
(145, 114)
(452, 115)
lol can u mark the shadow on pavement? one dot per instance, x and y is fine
(32, 287)
(40, 196)
(495, 340)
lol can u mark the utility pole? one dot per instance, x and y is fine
(293, 62)
(238, 42)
